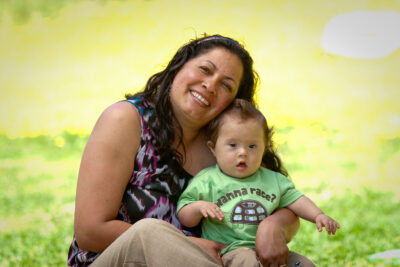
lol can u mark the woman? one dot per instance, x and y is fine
(141, 155)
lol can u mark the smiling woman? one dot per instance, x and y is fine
(145, 150)
(63, 62)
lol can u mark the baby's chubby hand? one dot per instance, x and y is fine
(330, 224)
(210, 209)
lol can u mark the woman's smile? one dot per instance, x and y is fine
(200, 98)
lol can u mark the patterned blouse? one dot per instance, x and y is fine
(145, 196)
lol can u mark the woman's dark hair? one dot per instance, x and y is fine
(246, 110)
(157, 91)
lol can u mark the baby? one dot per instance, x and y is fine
(235, 195)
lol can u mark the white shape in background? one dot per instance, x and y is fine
(394, 119)
(389, 254)
(362, 34)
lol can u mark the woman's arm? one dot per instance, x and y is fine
(272, 235)
(106, 167)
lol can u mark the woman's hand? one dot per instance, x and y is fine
(272, 236)
(271, 245)
(214, 248)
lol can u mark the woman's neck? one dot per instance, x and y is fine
(197, 155)
(189, 133)
(189, 136)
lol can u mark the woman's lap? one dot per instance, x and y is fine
(153, 242)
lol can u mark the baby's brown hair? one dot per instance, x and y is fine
(244, 110)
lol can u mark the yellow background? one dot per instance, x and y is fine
(63, 62)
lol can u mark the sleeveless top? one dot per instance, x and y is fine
(145, 196)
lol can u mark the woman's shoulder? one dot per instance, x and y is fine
(118, 121)
(120, 112)
(141, 104)
(117, 132)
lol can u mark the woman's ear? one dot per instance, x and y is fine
(211, 146)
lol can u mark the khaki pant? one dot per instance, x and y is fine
(247, 257)
(156, 243)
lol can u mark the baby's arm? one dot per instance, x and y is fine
(191, 214)
(306, 209)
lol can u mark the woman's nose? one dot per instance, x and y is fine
(210, 86)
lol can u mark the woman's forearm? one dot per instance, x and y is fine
(97, 238)
(288, 222)
(273, 234)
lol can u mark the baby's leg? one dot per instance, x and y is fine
(241, 257)
(298, 260)
(247, 257)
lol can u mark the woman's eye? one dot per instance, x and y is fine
(205, 69)
(227, 86)
(232, 145)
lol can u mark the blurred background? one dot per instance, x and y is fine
(330, 86)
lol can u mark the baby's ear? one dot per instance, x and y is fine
(211, 146)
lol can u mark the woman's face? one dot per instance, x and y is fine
(205, 86)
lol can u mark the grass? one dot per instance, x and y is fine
(37, 193)
(369, 224)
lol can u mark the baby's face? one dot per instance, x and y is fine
(239, 147)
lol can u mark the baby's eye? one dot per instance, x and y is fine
(252, 146)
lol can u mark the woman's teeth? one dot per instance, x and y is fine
(199, 97)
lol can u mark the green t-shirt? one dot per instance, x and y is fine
(245, 202)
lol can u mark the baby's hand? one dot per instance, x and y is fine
(210, 209)
(330, 224)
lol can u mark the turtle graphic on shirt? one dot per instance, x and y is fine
(248, 212)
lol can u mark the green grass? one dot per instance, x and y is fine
(369, 224)
(37, 193)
